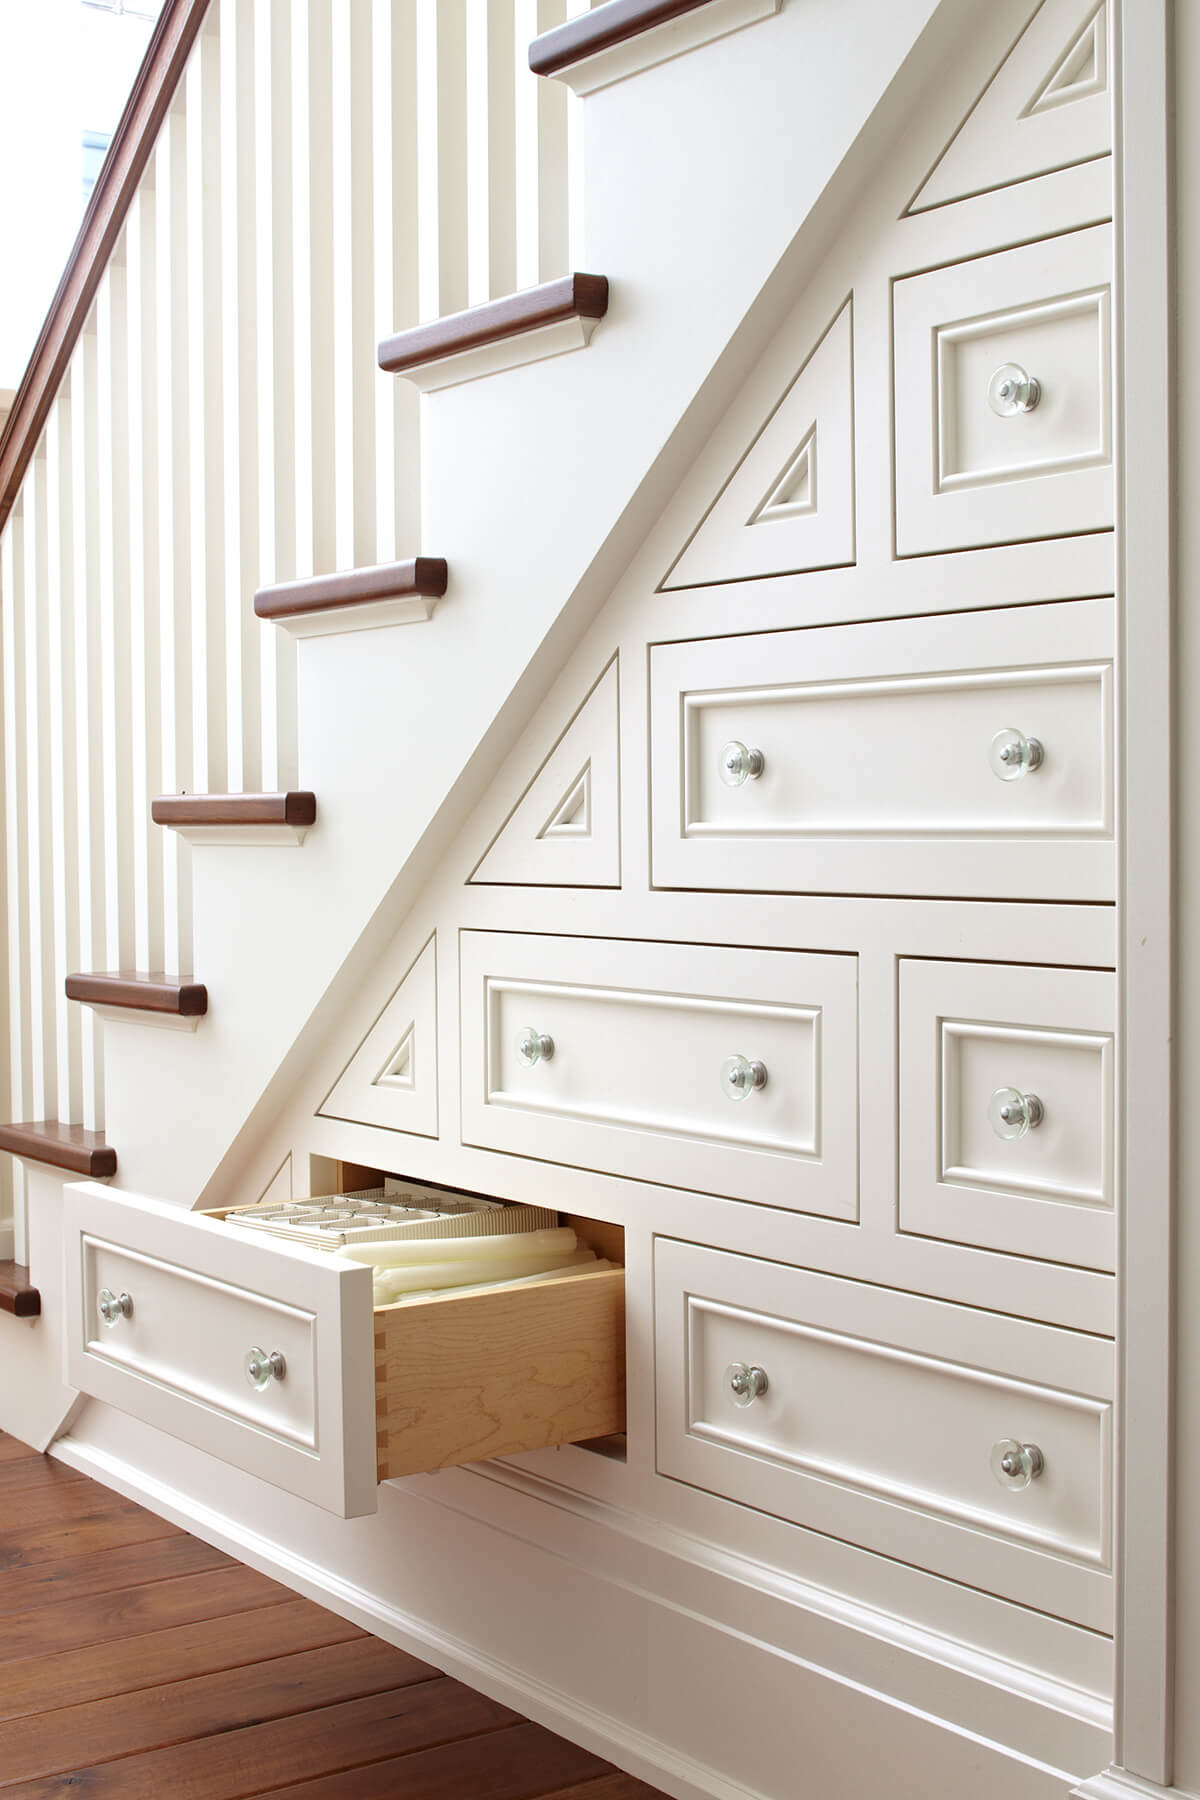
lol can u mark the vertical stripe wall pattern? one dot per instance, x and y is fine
(329, 171)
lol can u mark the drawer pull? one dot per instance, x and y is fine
(535, 1046)
(1015, 1465)
(113, 1307)
(740, 1077)
(739, 764)
(1011, 1113)
(1013, 755)
(1013, 390)
(261, 1368)
(746, 1382)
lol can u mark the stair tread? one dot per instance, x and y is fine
(151, 992)
(17, 1294)
(296, 807)
(64, 1146)
(600, 29)
(571, 296)
(421, 575)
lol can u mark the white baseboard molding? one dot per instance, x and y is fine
(1119, 1784)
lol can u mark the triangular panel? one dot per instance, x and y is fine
(565, 830)
(1046, 107)
(769, 518)
(391, 1079)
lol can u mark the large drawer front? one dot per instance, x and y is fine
(640, 1034)
(880, 1420)
(978, 1040)
(878, 772)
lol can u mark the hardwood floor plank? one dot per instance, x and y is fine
(72, 1737)
(120, 1523)
(42, 1683)
(48, 1502)
(259, 1758)
(613, 1786)
(12, 1449)
(134, 1611)
(522, 1763)
(33, 1471)
(95, 1572)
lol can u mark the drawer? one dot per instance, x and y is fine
(1006, 1108)
(880, 1423)
(975, 466)
(639, 1037)
(878, 769)
(362, 1394)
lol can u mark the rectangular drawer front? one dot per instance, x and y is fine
(878, 772)
(640, 1035)
(880, 1419)
(967, 474)
(970, 1032)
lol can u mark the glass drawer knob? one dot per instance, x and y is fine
(740, 1077)
(263, 1368)
(535, 1046)
(746, 1382)
(1015, 1465)
(1012, 754)
(739, 764)
(1013, 390)
(1011, 1113)
(113, 1307)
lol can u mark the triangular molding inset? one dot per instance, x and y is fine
(391, 1080)
(774, 484)
(279, 1189)
(565, 830)
(1046, 107)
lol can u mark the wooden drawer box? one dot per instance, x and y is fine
(366, 1393)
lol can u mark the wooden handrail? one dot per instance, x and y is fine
(122, 170)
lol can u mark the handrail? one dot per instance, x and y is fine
(123, 167)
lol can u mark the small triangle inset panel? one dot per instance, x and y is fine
(789, 503)
(391, 1080)
(565, 830)
(1047, 107)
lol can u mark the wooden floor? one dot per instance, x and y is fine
(137, 1662)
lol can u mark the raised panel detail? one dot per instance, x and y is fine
(970, 1031)
(633, 1080)
(970, 471)
(391, 1079)
(789, 503)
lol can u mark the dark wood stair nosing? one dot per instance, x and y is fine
(17, 1293)
(601, 29)
(61, 1146)
(140, 993)
(423, 577)
(296, 807)
(569, 297)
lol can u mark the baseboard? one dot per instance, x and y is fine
(1119, 1784)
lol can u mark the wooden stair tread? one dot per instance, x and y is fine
(63, 1146)
(294, 808)
(600, 29)
(140, 992)
(17, 1294)
(571, 296)
(424, 576)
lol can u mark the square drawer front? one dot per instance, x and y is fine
(888, 1420)
(358, 1395)
(1006, 1108)
(635, 1082)
(867, 759)
(978, 463)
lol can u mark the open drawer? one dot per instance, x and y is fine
(356, 1395)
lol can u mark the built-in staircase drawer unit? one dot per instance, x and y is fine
(1006, 1108)
(1003, 396)
(967, 1443)
(272, 1357)
(728, 1071)
(969, 755)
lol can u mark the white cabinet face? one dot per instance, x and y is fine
(968, 755)
(1006, 1108)
(635, 1079)
(885, 1419)
(1003, 417)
